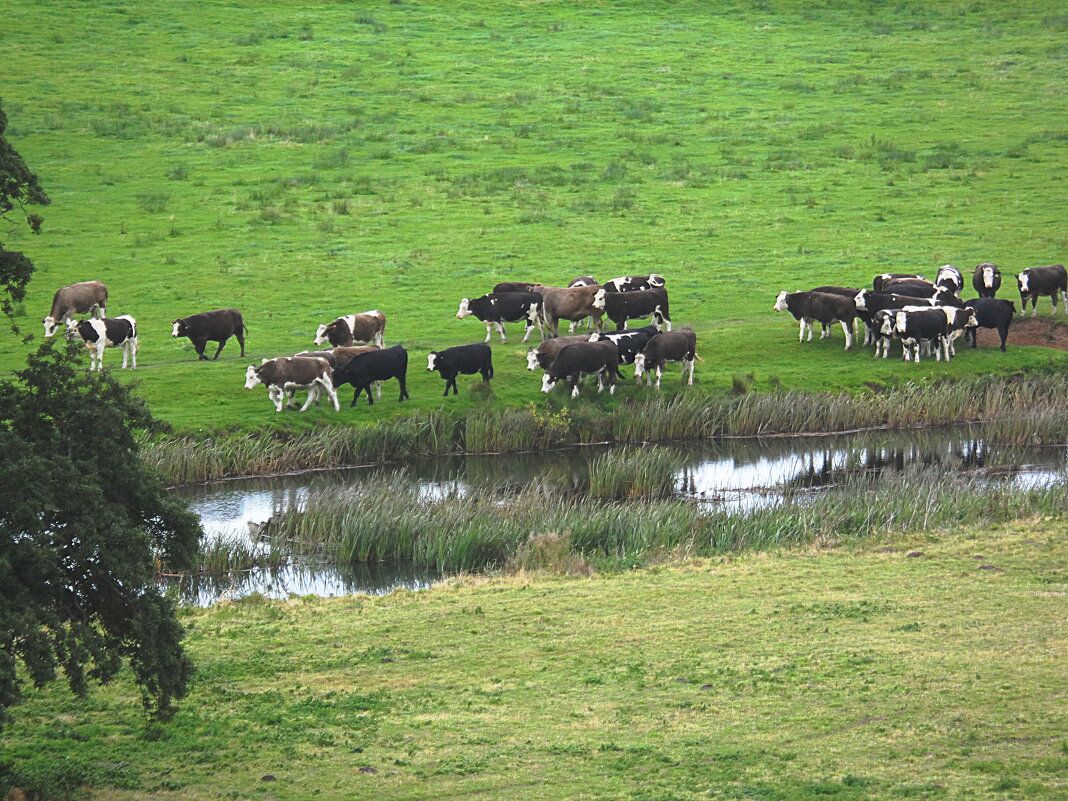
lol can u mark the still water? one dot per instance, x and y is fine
(734, 475)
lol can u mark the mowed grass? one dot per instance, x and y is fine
(300, 160)
(931, 668)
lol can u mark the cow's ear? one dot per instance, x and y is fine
(263, 361)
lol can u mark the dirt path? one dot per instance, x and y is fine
(1044, 331)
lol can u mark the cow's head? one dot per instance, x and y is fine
(432, 361)
(532, 359)
(320, 334)
(639, 365)
(179, 329)
(547, 384)
(901, 322)
(252, 376)
(988, 277)
(884, 322)
(50, 325)
(780, 302)
(1023, 280)
(861, 300)
(969, 317)
(598, 299)
(655, 280)
(464, 310)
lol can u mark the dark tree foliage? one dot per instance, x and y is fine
(83, 521)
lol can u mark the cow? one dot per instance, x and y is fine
(583, 358)
(628, 343)
(379, 365)
(986, 280)
(498, 308)
(958, 321)
(821, 307)
(571, 303)
(991, 313)
(543, 355)
(465, 359)
(671, 346)
(950, 279)
(338, 356)
(632, 283)
(880, 281)
(1037, 281)
(514, 286)
(86, 297)
(368, 327)
(869, 303)
(583, 280)
(845, 291)
(215, 326)
(284, 375)
(622, 306)
(924, 290)
(916, 327)
(882, 331)
(109, 332)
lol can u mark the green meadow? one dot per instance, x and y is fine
(301, 160)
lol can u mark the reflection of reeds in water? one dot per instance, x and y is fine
(1015, 411)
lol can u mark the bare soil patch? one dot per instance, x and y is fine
(1041, 331)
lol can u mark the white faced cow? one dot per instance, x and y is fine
(1037, 281)
(286, 374)
(671, 346)
(368, 326)
(110, 332)
(87, 297)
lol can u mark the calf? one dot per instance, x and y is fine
(671, 346)
(379, 365)
(216, 326)
(466, 359)
(544, 355)
(579, 358)
(86, 297)
(286, 374)
(950, 279)
(109, 332)
(915, 327)
(368, 326)
(986, 280)
(498, 308)
(821, 307)
(991, 313)
(633, 283)
(1037, 281)
(571, 303)
(622, 306)
(514, 286)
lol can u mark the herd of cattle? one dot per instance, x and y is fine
(920, 313)
(357, 354)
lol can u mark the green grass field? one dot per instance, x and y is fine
(304, 160)
(849, 673)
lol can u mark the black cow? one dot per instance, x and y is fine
(514, 286)
(809, 307)
(633, 283)
(671, 346)
(924, 290)
(1037, 281)
(880, 282)
(379, 365)
(622, 306)
(498, 308)
(215, 326)
(950, 279)
(914, 328)
(991, 313)
(466, 359)
(986, 280)
(110, 332)
(628, 343)
(600, 358)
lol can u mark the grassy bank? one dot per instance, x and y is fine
(301, 160)
(848, 673)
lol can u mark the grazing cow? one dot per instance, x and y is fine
(514, 286)
(109, 332)
(216, 326)
(87, 297)
(821, 307)
(632, 283)
(671, 346)
(466, 359)
(498, 308)
(379, 365)
(880, 281)
(916, 327)
(583, 358)
(286, 374)
(583, 280)
(991, 313)
(571, 303)
(544, 355)
(368, 326)
(986, 280)
(622, 306)
(1037, 281)
(950, 279)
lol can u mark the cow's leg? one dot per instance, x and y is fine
(801, 331)
(573, 380)
(570, 327)
(526, 333)
(280, 398)
(125, 348)
(500, 330)
(691, 363)
(314, 390)
(848, 334)
(133, 353)
(378, 389)
(216, 356)
(489, 331)
(331, 393)
(370, 400)
(659, 372)
(101, 344)
(240, 341)
(401, 379)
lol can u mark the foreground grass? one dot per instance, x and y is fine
(845, 673)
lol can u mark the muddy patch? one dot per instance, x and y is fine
(1043, 331)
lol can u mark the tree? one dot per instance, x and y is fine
(82, 519)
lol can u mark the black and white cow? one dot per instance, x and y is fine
(286, 374)
(110, 332)
(986, 280)
(379, 365)
(671, 346)
(914, 328)
(544, 354)
(869, 303)
(809, 307)
(880, 282)
(629, 343)
(215, 326)
(991, 313)
(514, 286)
(498, 308)
(368, 327)
(882, 331)
(1035, 282)
(633, 283)
(583, 280)
(950, 279)
(465, 359)
(583, 358)
(637, 304)
(85, 297)
(924, 290)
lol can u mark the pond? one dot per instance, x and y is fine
(736, 475)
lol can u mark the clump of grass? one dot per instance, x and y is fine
(549, 552)
(633, 473)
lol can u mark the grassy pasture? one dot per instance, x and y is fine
(303, 160)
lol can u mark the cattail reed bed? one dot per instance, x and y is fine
(1014, 411)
